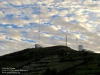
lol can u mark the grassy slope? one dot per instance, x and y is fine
(37, 60)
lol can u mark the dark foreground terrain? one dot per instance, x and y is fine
(56, 60)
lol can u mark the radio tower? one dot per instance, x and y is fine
(39, 24)
(38, 45)
(66, 40)
(76, 42)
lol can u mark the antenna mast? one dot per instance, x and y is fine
(76, 42)
(66, 40)
(81, 42)
(39, 24)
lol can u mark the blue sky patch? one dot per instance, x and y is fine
(28, 40)
(9, 16)
(26, 18)
(69, 15)
(82, 15)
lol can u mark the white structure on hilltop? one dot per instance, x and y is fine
(37, 46)
(80, 47)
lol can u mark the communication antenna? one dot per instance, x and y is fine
(76, 42)
(66, 40)
(81, 42)
(39, 24)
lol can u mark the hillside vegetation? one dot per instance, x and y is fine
(56, 60)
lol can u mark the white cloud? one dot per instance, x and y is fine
(11, 10)
(1, 15)
(20, 2)
(2, 37)
(80, 18)
(63, 13)
(3, 4)
(82, 21)
(10, 47)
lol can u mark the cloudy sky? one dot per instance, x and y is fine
(20, 21)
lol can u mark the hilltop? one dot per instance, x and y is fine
(55, 60)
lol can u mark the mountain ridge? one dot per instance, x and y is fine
(62, 59)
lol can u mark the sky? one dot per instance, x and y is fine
(20, 21)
